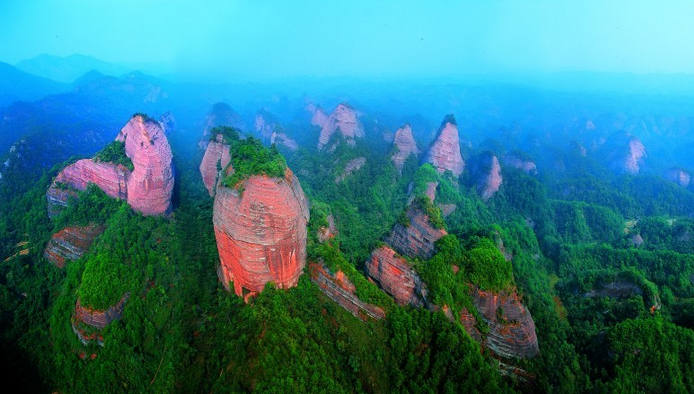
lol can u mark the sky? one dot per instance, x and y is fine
(428, 39)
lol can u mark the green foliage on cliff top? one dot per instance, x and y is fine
(249, 157)
(115, 153)
(229, 134)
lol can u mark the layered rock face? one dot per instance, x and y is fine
(216, 158)
(343, 120)
(319, 117)
(515, 161)
(221, 114)
(71, 243)
(95, 318)
(444, 154)
(491, 181)
(340, 289)
(679, 176)
(511, 327)
(351, 166)
(147, 189)
(150, 185)
(395, 275)
(261, 232)
(405, 146)
(418, 238)
(110, 178)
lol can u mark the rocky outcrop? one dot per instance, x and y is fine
(265, 125)
(216, 158)
(628, 155)
(95, 319)
(261, 232)
(318, 116)
(444, 154)
(395, 275)
(327, 232)
(340, 289)
(417, 238)
(488, 176)
(679, 176)
(511, 327)
(516, 161)
(71, 243)
(147, 189)
(350, 167)
(221, 114)
(404, 145)
(110, 178)
(150, 185)
(343, 120)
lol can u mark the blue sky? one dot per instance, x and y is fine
(263, 38)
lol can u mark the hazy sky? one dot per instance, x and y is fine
(262, 38)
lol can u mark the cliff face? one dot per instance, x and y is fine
(95, 318)
(628, 155)
(221, 114)
(395, 275)
(147, 189)
(340, 289)
(405, 146)
(511, 327)
(281, 139)
(342, 120)
(216, 158)
(71, 243)
(444, 153)
(151, 183)
(679, 176)
(261, 233)
(490, 181)
(418, 238)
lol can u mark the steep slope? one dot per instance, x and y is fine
(404, 146)
(343, 120)
(395, 275)
(215, 159)
(444, 154)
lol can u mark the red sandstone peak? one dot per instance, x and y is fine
(71, 243)
(405, 146)
(150, 185)
(344, 119)
(492, 180)
(261, 233)
(216, 158)
(444, 153)
(395, 275)
(635, 154)
(147, 189)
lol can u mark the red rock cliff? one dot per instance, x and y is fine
(151, 183)
(147, 189)
(216, 158)
(679, 176)
(444, 153)
(344, 120)
(511, 327)
(405, 146)
(395, 275)
(261, 232)
(418, 238)
(71, 243)
(491, 181)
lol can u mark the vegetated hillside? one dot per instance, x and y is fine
(572, 276)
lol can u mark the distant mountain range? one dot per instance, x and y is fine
(16, 85)
(67, 69)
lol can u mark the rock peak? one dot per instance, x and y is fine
(344, 119)
(405, 146)
(444, 154)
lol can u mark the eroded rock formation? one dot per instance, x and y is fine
(261, 232)
(327, 232)
(281, 139)
(628, 158)
(147, 189)
(71, 243)
(343, 120)
(340, 289)
(405, 146)
(221, 114)
(518, 162)
(490, 179)
(216, 158)
(395, 275)
(86, 322)
(444, 154)
(511, 327)
(418, 237)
